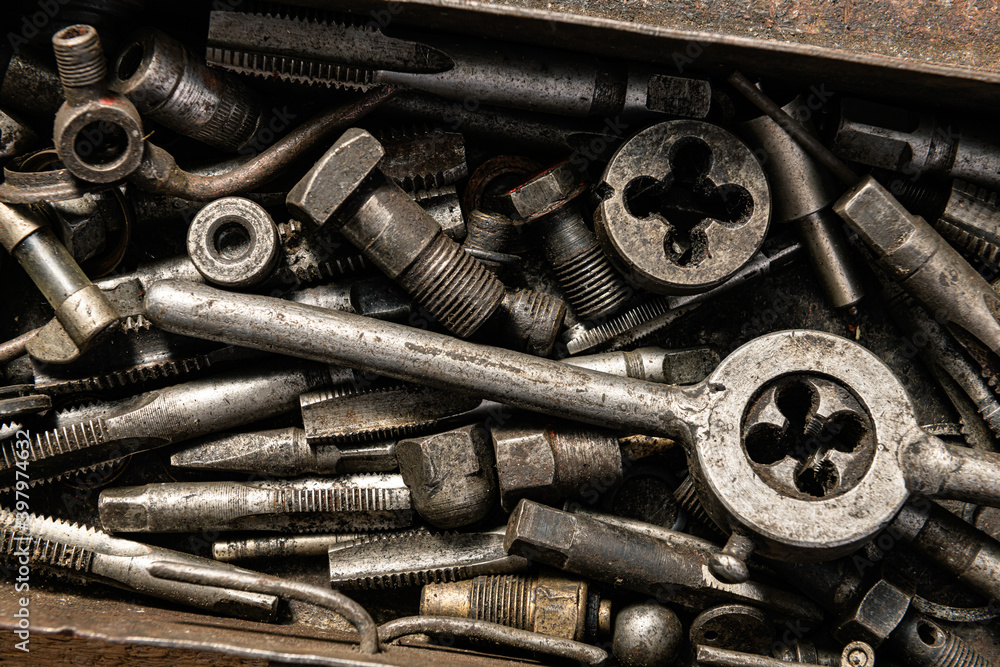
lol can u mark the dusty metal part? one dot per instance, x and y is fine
(395, 233)
(655, 364)
(951, 544)
(488, 238)
(422, 158)
(635, 560)
(953, 614)
(84, 316)
(376, 297)
(549, 605)
(493, 632)
(444, 206)
(160, 173)
(855, 654)
(415, 559)
(451, 475)
(637, 323)
(283, 546)
(939, 351)
(876, 616)
(592, 286)
(16, 138)
(924, 264)
(15, 347)
(284, 452)
(802, 192)
(29, 84)
(233, 242)
(735, 627)
(262, 584)
(88, 224)
(169, 84)
(32, 187)
(916, 143)
(328, 504)
(494, 178)
(21, 399)
(98, 134)
(85, 553)
(109, 431)
(647, 635)
(295, 48)
(921, 641)
(684, 205)
(906, 460)
(531, 320)
(546, 460)
(359, 413)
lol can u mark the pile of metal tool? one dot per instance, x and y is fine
(530, 353)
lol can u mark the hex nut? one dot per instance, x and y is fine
(880, 611)
(233, 242)
(334, 177)
(526, 465)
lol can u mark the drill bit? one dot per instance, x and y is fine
(348, 503)
(284, 452)
(414, 559)
(91, 554)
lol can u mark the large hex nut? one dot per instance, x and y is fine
(526, 464)
(351, 159)
(880, 611)
(685, 206)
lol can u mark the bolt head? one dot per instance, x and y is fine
(526, 464)
(334, 177)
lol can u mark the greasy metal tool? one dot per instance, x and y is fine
(346, 503)
(684, 205)
(83, 314)
(732, 424)
(106, 432)
(416, 558)
(284, 546)
(311, 49)
(82, 552)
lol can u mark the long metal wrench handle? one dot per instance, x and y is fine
(403, 352)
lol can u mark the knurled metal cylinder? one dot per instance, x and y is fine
(168, 84)
(79, 58)
(552, 606)
(593, 288)
(532, 320)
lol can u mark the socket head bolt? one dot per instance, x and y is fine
(450, 475)
(647, 635)
(97, 133)
(736, 627)
(685, 205)
(233, 242)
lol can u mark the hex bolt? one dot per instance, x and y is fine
(84, 316)
(98, 134)
(169, 84)
(395, 233)
(593, 288)
(348, 503)
(451, 475)
(547, 461)
(554, 606)
(233, 242)
(647, 635)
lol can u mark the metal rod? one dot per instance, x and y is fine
(794, 128)
(261, 583)
(493, 632)
(16, 347)
(415, 355)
